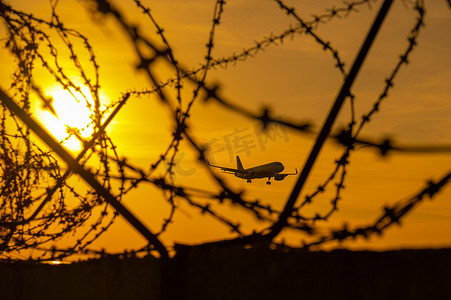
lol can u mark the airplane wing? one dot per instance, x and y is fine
(231, 170)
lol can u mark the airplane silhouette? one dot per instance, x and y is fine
(267, 170)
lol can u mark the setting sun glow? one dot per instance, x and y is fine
(72, 112)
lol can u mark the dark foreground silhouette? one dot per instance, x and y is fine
(196, 273)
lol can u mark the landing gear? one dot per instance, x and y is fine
(249, 181)
(268, 182)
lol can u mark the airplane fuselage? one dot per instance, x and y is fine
(263, 171)
(271, 170)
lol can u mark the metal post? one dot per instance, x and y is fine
(324, 133)
(86, 175)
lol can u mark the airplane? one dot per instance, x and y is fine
(267, 170)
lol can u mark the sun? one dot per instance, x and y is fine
(73, 111)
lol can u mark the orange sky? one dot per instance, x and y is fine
(298, 81)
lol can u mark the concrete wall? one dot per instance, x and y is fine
(108, 278)
(238, 274)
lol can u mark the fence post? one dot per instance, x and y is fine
(86, 175)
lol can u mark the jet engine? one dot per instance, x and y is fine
(280, 177)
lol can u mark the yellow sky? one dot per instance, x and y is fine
(299, 82)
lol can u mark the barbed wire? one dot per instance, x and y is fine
(35, 192)
(391, 215)
(348, 139)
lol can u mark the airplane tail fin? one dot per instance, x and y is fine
(239, 165)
